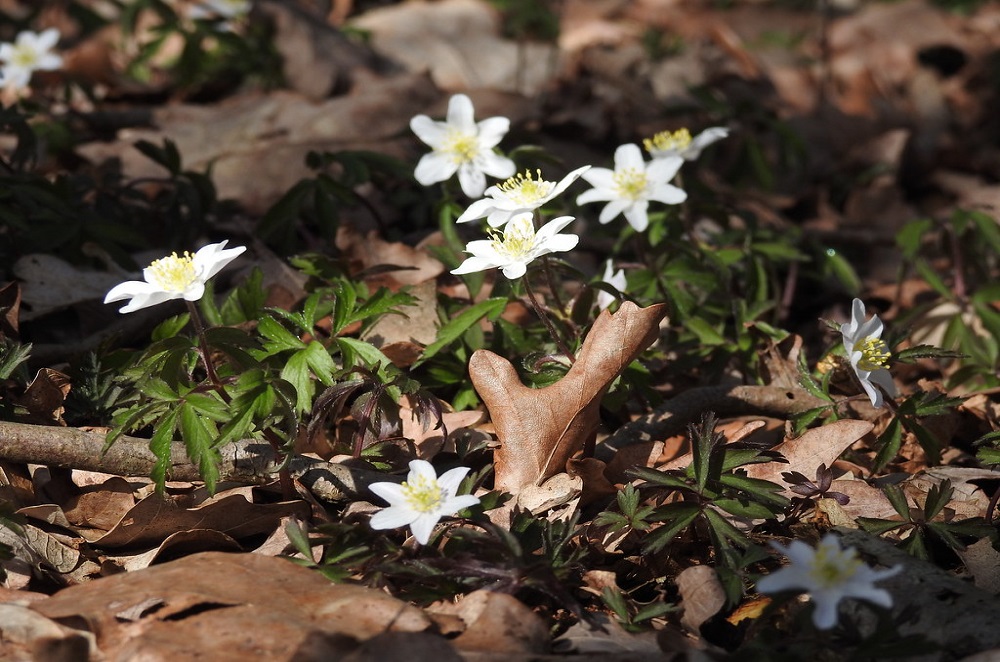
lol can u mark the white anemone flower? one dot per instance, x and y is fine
(632, 185)
(868, 353)
(828, 574)
(174, 277)
(227, 9)
(30, 52)
(615, 279)
(517, 246)
(519, 194)
(680, 143)
(462, 145)
(422, 500)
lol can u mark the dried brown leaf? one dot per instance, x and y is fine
(702, 595)
(540, 429)
(816, 446)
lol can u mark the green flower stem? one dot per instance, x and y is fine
(546, 321)
(205, 352)
(284, 475)
(551, 282)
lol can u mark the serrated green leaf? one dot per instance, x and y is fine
(199, 441)
(679, 517)
(160, 445)
(458, 325)
(279, 338)
(370, 356)
(889, 443)
(724, 529)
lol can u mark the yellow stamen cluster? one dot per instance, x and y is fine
(462, 146)
(524, 188)
(24, 56)
(630, 183)
(832, 567)
(173, 273)
(875, 353)
(668, 141)
(517, 240)
(423, 495)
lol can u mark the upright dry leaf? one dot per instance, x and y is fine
(540, 429)
(702, 595)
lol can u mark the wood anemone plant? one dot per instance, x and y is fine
(541, 429)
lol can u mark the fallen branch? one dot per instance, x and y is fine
(246, 461)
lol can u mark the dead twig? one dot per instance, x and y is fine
(247, 461)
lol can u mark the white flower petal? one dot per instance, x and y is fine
(472, 180)
(603, 178)
(612, 210)
(451, 479)
(433, 168)
(629, 156)
(491, 132)
(461, 114)
(495, 165)
(391, 492)
(664, 169)
(477, 209)
(211, 259)
(430, 132)
(595, 195)
(423, 526)
(392, 518)
(460, 502)
(473, 264)
(514, 270)
(636, 215)
(703, 140)
(668, 194)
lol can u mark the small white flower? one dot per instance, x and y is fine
(868, 353)
(828, 574)
(629, 188)
(519, 194)
(517, 245)
(30, 52)
(462, 145)
(422, 500)
(615, 279)
(174, 277)
(227, 9)
(679, 143)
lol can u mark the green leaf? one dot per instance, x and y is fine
(160, 445)
(877, 526)
(724, 529)
(170, 327)
(706, 334)
(889, 443)
(679, 516)
(453, 330)
(938, 497)
(354, 349)
(898, 500)
(279, 338)
(199, 441)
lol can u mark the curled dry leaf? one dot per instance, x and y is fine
(540, 429)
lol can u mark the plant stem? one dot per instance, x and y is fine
(204, 351)
(546, 321)
(284, 476)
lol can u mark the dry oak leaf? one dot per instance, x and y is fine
(541, 429)
(228, 607)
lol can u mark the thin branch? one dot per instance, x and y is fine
(247, 461)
